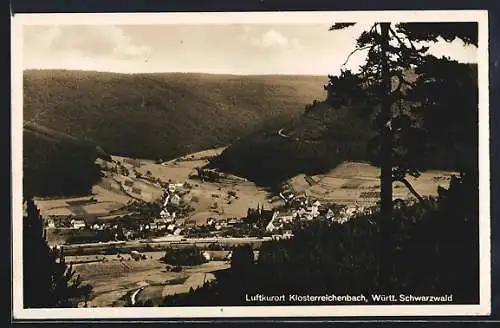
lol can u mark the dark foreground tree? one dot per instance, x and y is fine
(47, 281)
(242, 258)
(393, 52)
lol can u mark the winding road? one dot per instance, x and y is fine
(283, 135)
(134, 294)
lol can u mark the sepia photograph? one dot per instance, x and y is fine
(250, 164)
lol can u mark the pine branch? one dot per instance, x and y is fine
(411, 189)
(398, 38)
(411, 43)
(413, 47)
(354, 51)
(340, 26)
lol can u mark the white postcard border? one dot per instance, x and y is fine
(20, 20)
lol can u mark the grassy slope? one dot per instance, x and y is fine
(163, 115)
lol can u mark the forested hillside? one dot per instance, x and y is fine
(163, 115)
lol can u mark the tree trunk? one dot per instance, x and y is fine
(386, 166)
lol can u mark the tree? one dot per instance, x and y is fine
(189, 256)
(242, 258)
(47, 281)
(393, 51)
(442, 88)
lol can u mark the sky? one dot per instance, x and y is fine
(305, 49)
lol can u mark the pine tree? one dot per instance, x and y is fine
(392, 52)
(47, 281)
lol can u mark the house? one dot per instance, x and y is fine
(287, 234)
(160, 223)
(314, 211)
(153, 226)
(166, 216)
(274, 225)
(285, 216)
(219, 255)
(278, 219)
(51, 224)
(171, 227)
(180, 221)
(172, 187)
(299, 201)
(78, 224)
(190, 222)
(287, 196)
(233, 221)
(178, 232)
(300, 213)
(175, 199)
(206, 255)
(210, 221)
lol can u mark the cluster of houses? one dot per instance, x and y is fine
(271, 221)
(219, 224)
(167, 221)
(303, 209)
(170, 222)
(348, 212)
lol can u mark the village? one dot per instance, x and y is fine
(173, 221)
(171, 217)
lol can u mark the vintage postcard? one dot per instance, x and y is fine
(273, 164)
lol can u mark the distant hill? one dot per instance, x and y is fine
(163, 115)
(56, 164)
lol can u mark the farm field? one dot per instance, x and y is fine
(352, 182)
(115, 280)
(202, 195)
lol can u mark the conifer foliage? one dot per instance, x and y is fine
(48, 281)
(401, 139)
